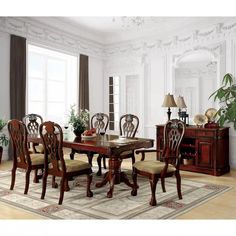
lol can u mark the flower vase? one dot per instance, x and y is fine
(78, 135)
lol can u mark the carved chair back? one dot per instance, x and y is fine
(18, 135)
(32, 122)
(173, 135)
(100, 121)
(128, 125)
(52, 136)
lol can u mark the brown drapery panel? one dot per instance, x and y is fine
(17, 77)
(83, 83)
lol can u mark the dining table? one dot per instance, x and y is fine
(110, 145)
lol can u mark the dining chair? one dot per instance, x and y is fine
(54, 162)
(100, 122)
(32, 122)
(21, 157)
(154, 169)
(128, 126)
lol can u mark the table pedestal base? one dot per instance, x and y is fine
(114, 176)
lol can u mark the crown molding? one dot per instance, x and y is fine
(194, 38)
(49, 36)
(41, 33)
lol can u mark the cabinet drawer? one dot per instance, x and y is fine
(207, 133)
(190, 133)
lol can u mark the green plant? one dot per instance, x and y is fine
(226, 95)
(3, 138)
(79, 121)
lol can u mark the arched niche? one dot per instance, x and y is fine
(195, 77)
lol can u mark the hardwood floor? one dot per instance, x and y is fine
(221, 207)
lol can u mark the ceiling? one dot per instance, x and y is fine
(108, 30)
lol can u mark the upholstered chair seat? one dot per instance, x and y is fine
(73, 165)
(152, 167)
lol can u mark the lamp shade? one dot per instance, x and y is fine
(169, 101)
(180, 102)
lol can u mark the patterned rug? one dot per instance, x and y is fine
(122, 206)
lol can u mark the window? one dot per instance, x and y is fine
(114, 91)
(52, 83)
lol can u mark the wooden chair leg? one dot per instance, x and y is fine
(104, 162)
(90, 158)
(44, 185)
(72, 154)
(99, 160)
(178, 183)
(54, 184)
(135, 184)
(163, 185)
(36, 179)
(153, 182)
(63, 179)
(13, 178)
(89, 181)
(27, 181)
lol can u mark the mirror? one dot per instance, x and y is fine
(195, 78)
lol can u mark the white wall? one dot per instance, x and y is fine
(157, 63)
(4, 80)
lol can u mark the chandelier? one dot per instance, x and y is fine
(134, 21)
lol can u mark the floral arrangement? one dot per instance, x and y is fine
(3, 138)
(79, 121)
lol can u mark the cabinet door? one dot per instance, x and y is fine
(205, 151)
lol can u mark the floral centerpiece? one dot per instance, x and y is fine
(79, 121)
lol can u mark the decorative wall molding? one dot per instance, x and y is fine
(200, 36)
(52, 37)
(49, 36)
(214, 51)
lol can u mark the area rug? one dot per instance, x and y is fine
(122, 206)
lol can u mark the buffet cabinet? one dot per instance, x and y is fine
(203, 150)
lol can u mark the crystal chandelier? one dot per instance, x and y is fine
(133, 21)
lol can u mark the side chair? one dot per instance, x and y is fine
(54, 162)
(21, 156)
(154, 169)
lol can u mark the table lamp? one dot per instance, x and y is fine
(181, 104)
(169, 102)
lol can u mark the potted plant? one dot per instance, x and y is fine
(3, 138)
(79, 121)
(226, 95)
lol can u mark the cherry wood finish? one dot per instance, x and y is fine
(105, 145)
(207, 148)
(128, 126)
(173, 134)
(21, 156)
(32, 122)
(99, 121)
(54, 163)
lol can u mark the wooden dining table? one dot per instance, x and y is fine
(109, 145)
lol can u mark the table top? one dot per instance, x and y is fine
(103, 144)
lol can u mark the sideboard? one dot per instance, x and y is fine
(203, 150)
